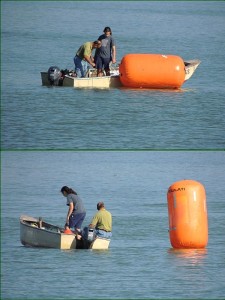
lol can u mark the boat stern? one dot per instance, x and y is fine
(100, 244)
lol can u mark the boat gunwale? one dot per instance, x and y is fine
(88, 78)
(25, 223)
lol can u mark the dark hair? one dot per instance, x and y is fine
(107, 29)
(100, 205)
(96, 42)
(67, 190)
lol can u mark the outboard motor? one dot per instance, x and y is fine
(54, 76)
(89, 234)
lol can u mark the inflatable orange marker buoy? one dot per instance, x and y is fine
(152, 71)
(188, 221)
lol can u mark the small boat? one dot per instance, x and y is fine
(38, 233)
(56, 77)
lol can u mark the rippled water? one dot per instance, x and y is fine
(36, 35)
(140, 262)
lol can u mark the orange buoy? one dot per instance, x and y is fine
(152, 71)
(188, 221)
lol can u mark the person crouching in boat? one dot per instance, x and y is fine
(76, 211)
(84, 56)
(102, 222)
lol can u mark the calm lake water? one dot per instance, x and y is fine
(39, 34)
(140, 262)
(133, 184)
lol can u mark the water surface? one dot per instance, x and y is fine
(140, 262)
(37, 35)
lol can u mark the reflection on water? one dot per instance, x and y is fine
(157, 90)
(190, 256)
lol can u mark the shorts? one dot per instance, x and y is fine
(102, 63)
(75, 221)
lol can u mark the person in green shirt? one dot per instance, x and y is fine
(84, 56)
(102, 221)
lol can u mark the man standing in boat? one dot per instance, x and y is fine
(106, 53)
(84, 56)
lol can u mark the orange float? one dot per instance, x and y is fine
(188, 221)
(152, 71)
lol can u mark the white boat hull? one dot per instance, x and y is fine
(31, 235)
(190, 67)
(87, 82)
(92, 82)
(50, 236)
(100, 244)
